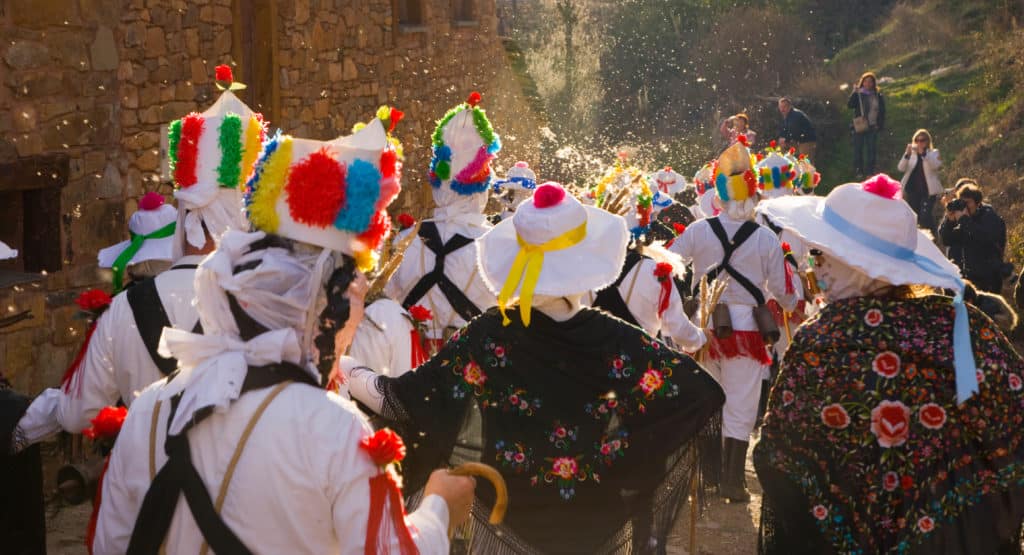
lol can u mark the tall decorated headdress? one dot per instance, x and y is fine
(733, 173)
(212, 154)
(775, 174)
(668, 181)
(619, 176)
(151, 229)
(519, 178)
(332, 194)
(463, 143)
(807, 177)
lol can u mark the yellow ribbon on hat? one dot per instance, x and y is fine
(526, 268)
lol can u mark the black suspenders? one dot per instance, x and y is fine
(729, 247)
(459, 301)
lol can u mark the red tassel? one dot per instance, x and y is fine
(383, 488)
(664, 296)
(419, 354)
(90, 531)
(789, 278)
(747, 344)
(188, 150)
(69, 374)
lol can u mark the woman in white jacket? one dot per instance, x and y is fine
(921, 187)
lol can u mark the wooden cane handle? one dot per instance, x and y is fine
(492, 475)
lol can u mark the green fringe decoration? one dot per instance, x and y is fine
(230, 141)
(173, 139)
(483, 126)
(443, 170)
(438, 136)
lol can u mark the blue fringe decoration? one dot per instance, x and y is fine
(361, 193)
(443, 153)
(495, 145)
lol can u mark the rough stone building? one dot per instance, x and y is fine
(86, 87)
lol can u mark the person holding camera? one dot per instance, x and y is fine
(976, 237)
(921, 187)
(868, 107)
(737, 125)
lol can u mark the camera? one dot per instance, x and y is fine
(956, 205)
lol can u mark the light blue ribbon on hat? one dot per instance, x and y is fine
(523, 181)
(963, 356)
(661, 200)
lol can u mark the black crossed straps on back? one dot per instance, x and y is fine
(179, 476)
(729, 247)
(610, 299)
(459, 301)
(151, 318)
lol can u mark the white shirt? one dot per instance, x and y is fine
(383, 340)
(460, 267)
(301, 484)
(931, 163)
(640, 290)
(760, 259)
(116, 363)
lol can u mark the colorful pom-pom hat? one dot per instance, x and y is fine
(7, 252)
(464, 144)
(775, 175)
(212, 154)
(869, 227)
(151, 229)
(519, 178)
(733, 174)
(807, 177)
(668, 181)
(553, 245)
(332, 194)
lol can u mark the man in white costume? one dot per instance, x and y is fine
(121, 356)
(731, 246)
(307, 474)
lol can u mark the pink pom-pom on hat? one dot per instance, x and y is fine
(151, 201)
(548, 195)
(884, 186)
(522, 164)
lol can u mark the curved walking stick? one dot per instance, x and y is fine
(492, 475)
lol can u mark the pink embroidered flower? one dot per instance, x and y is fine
(890, 422)
(788, 397)
(564, 467)
(890, 481)
(513, 399)
(820, 512)
(618, 363)
(606, 449)
(519, 457)
(835, 416)
(874, 317)
(560, 432)
(932, 416)
(499, 351)
(651, 381)
(473, 374)
(886, 364)
(925, 524)
(1015, 382)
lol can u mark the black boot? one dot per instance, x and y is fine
(734, 479)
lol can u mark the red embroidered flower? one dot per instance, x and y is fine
(907, 482)
(874, 317)
(223, 73)
(499, 351)
(405, 220)
(788, 397)
(420, 313)
(384, 447)
(564, 467)
(473, 375)
(890, 481)
(932, 416)
(925, 524)
(107, 423)
(618, 363)
(662, 271)
(886, 364)
(93, 300)
(890, 422)
(651, 381)
(820, 512)
(835, 416)
(1015, 382)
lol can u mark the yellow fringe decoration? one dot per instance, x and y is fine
(263, 209)
(250, 149)
(366, 260)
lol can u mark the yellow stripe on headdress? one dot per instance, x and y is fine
(251, 149)
(526, 268)
(263, 209)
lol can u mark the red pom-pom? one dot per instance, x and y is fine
(405, 220)
(772, 143)
(742, 139)
(678, 228)
(662, 270)
(151, 201)
(107, 423)
(396, 116)
(883, 186)
(786, 248)
(668, 168)
(93, 300)
(380, 227)
(760, 156)
(420, 313)
(388, 162)
(223, 73)
(316, 189)
(384, 447)
(474, 99)
(792, 150)
(548, 194)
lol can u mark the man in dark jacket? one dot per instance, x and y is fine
(977, 237)
(796, 129)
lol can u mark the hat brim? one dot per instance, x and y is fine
(151, 249)
(590, 265)
(803, 215)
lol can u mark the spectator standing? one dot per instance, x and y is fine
(796, 129)
(735, 126)
(868, 107)
(976, 237)
(921, 186)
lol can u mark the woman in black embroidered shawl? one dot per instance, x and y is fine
(588, 419)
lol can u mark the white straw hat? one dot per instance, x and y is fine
(574, 248)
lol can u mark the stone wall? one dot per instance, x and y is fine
(97, 80)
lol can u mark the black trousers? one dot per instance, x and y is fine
(865, 145)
